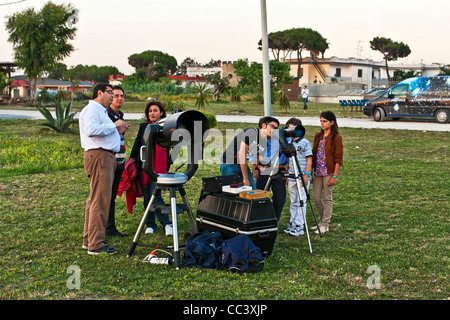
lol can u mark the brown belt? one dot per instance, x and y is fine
(101, 149)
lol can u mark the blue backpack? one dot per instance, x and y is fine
(201, 250)
(239, 254)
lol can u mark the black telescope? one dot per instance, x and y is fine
(187, 127)
(283, 133)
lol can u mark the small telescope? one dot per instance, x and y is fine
(283, 133)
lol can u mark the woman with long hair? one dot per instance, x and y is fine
(327, 159)
(154, 111)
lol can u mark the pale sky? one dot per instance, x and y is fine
(111, 30)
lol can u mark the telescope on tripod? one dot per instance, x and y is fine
(187, 128)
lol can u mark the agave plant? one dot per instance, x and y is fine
(201, 89)
(63, 116)
(283, 100)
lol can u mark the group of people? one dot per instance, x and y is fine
(102, 135)
(102, 131)
(320, 163)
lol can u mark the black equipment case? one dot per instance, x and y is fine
(231, 215)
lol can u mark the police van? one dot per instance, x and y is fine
(424, 97)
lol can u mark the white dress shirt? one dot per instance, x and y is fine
(97, 130)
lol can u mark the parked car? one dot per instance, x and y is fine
(422, 97)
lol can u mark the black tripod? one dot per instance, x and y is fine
(298, 176)
(171, 182)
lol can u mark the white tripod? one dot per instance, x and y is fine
(298, 176)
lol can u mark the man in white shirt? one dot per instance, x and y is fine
(100, 139)
(305, 94)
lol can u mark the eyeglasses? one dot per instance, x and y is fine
(109, 91)
(272, 125)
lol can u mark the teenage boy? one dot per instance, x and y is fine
(246, 143)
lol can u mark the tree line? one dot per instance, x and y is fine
(41, 40)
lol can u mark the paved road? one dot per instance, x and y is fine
(308, 121)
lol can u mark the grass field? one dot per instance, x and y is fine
(246, 107)
(391, 215)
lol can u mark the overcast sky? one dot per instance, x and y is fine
(111, 30)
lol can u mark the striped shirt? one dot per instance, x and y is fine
(121, 155)
(303, 150)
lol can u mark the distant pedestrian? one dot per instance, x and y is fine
(100, 139)
(305, 94)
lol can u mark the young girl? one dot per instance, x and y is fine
(327, 160)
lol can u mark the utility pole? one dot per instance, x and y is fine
(266, 68)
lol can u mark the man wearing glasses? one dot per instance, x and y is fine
(115, 114)
(246, 144)
(262, 166)
(100, 139)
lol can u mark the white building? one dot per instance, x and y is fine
(366, 72)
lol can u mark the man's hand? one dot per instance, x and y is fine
(122, 126)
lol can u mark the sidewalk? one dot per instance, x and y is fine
(368, 123)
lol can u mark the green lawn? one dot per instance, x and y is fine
(391, 213)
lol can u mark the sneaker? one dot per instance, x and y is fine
(104, 249)
(289, 228)
(297, 231)
(322, 230)
(85, 247)
(169, 230)
(149, 230)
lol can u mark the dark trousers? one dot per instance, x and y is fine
(278, 186)
(111, 223)
(162, 217)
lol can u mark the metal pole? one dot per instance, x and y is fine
(266, 69)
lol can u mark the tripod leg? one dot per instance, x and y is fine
(296, 172)
(274, 169)
(190, 215)
(142, 224)
(308, 199)
(173, 206)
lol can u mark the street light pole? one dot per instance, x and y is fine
(266, 69)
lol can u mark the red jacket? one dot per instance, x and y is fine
(130, 184)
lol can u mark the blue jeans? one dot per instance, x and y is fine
(227, 169)
(305, 100)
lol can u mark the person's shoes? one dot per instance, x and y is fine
(104, 249)
(85, 247)
(289, 228)
(116, 233)
(169, 230)
(322, 230)
(297, 231)
(149, 230)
